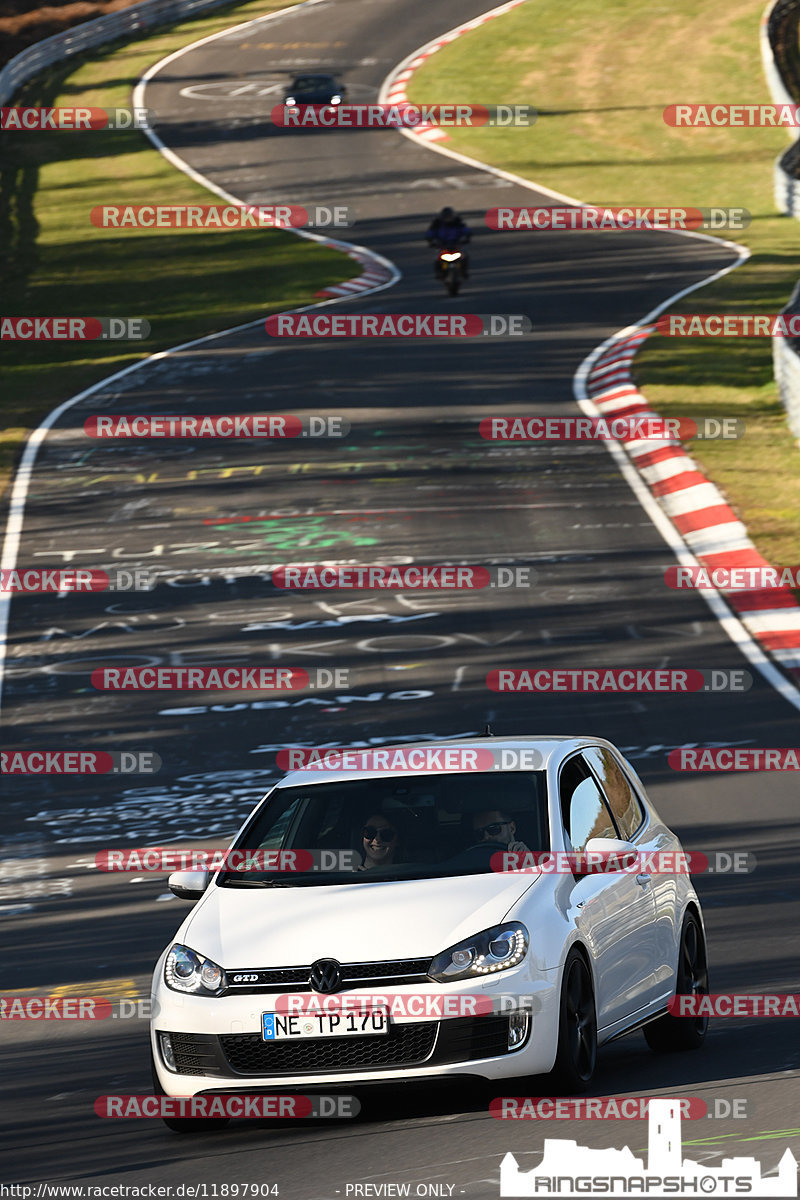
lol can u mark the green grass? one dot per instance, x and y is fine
(54, 262)
(600, 77)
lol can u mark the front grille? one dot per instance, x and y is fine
(403, 1046)
(293, 979)
(464, 1039)
(196, 1053)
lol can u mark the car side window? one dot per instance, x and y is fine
(583, 808)
(621, 799)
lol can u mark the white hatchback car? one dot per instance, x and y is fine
(426, 908)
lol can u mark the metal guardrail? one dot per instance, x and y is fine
(781, 57)
(79, 38)
(780, 51)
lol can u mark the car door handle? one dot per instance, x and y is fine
(643, 880)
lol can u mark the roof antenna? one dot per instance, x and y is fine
(488, 730)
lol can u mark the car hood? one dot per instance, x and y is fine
(365, 922)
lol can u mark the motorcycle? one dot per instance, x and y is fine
(450, 265)
(451, 268)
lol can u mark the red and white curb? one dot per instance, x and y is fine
(394, 87)
(377, 272)
(696, 508)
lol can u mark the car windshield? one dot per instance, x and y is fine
(313, 83)
(409, 827)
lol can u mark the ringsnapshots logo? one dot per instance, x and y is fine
(615, 680)
(416, 760)
(622, 429)
(219, 679)
(569, 1170)
(222, 216)
(589, 218)
(404, 115)
(206, 1107)
(72, 119)
(73, 329)
(398, 325)
(79, 762)
(407, 578)
(228, 425)
(60, 580)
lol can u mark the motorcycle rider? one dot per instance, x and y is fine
(446, 231)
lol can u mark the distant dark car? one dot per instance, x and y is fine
(314, 89)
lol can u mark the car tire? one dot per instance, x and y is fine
(576, 1055)
(186, 1124)
(669, 1033)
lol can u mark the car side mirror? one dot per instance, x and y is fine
(188, 885)
(607, 855)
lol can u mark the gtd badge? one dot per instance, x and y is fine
(245, 979)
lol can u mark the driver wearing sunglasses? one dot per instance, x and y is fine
(378, 842)
(492, 825)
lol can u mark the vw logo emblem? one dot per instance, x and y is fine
(325, 975)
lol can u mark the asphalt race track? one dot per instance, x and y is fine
(413, 481)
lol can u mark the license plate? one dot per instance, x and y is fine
(277, 1027)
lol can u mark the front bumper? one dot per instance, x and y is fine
(218, 1044)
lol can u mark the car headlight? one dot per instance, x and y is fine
(493, 950)
(185, 971)
(290, 102)
(336, 99)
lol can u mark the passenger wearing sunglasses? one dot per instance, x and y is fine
(378, 842)
(492, 825)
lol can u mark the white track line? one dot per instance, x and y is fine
(730, 623)
(24, 473)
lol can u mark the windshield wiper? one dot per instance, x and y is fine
(231, 877)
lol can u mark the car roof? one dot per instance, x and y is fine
(549, 746)
(314, 77)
